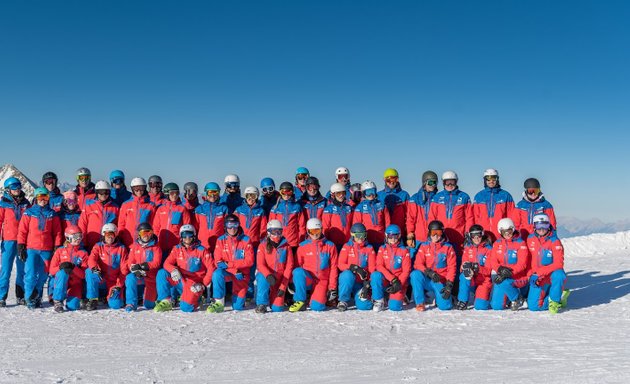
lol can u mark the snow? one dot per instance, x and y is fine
(589, 342)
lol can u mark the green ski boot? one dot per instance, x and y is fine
(163, 306)
(565, 297)
(216, 307)
(554, 306)
(297, 306)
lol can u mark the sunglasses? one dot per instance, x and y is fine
(532, 191)
(436, 232)
(360, 235)
(275, 232)
(542, 225)
(489, 178)
(84, 178)
(145, 232)
(391, 179)
(118, 181)
(450, 183)
(187, 235)
(431, 182)
(268, 189)
(301, 176)
(50, 180)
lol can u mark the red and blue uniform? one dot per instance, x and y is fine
(109, 260)
(158, 199)
(336, 223)
(168, 219)
(392, 261)
(547, 275)
(375, 217)
(290, 214)
(55, 199)
(191, 205)
(513, 254)
(11, 211)
(418, 209)
(85, 194)
(279, 262)
(121, 195)
(210, 219)
(140, 253)
(481, 281)
(253, 222)
(525, 210)
(268, 202)
(316, 271)
(69, 286)
(491, 205)
(362, 255)
(313, 208)
(236, 254)
(134, 212)
(454, 210)
(94, 216)
(396, 200)
(439, 257)
(232, 201)
(69, 218)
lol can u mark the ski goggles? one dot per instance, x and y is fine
(391, 179)
(507, 231)
(286, 192)
(103, 192)
(370, 192)
(118, 180)
(232, 185)
(74, 237)
(301, 176)
(49, 180)
(140, 188)
(476, 234)
(70, 201)
(42, 198)
(231, 225)
(84, 178)
(339, 194)
(268, 189)
(359, 235)
(314, 231)
(187, 235)
(490, 178)
(450, 183)
(14, 186)
(532, 191)
(542, 225)
(436, 232)
(145, 232)
(212, 193)
(109, 234)
(392, 236)
(252, 196)
(343, 176)
(431, 182)
(275, 232)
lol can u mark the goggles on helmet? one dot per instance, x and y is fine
(50, 180)
(301, 176)
(359, 235)
(84, 178)
(370, 192)
(314, 231)
(232, 184)
(275, 232)
(155, 184)
(109, 233)
(476, 234)
(251, 196)
(74, 237)
(507, 231)
(286, 192)
(431, 182)
(187, 234)
(532, 191)
(450, 183)
(343, 176)
(542, 225)
(211, 192)
(491, 177)
(269, 189)
(391, 179)
(145, 232)
(231, 225)
(118, 180)
(42, 197)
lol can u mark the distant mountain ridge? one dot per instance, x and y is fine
(10, 170)
(571, 226)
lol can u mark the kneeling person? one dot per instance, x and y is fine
(68, 266)
(393, 265)
(357, 260)
(104, 277)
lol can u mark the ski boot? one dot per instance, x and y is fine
(91, 305)
(261, 309)
(342, 306)
(461, 305)
(379, 305)
(420, 307)
(565, 298)
(163, 306)
(130, 308)
(215, 307)
(516, 304)
(297, 306)
(58, 306)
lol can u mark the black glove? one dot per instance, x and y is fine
(331, 294)
(136, 269)
(431, 274)
(271, 280)
(280, 293)
(362, 273)
(21, 252)
(144, 266)
(366, 291)
(97, 272)
(67, 266)
(114, 291)
(395, 286)
(504, 272)
(446, 291)
(468, 272)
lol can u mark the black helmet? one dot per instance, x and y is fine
(436, 224)
(144, 227)
(531, 183)
(429, 175)
(313, 180)
(231, 218)
(155, 179)
(191, 187)
(286, 185)
(49, 175)
(170, 187)
(475, 228)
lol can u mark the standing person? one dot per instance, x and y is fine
(50, 181)
(98, 212)
(418, 209)
(355, 195)
(337, 217)
(474, 273)
(508, 262)
(104, 276)
(357, 260)
(269, 195)
(290, 214)
(70, 212)
(210, 217)
(12, 206)
(316, 270)
(155, 191)
(191, 201)
(39, 233)
(85, 187)
(492, 203)
(301, 174)
(395, 198)
(232, 196)
(313, 201)
(119, 192)
(187, 271)
(143, 263)
(393, 265)
(169, 218)
(547, 277)
(68, 266)
(139, 209)
(372, 213)
(233, 257)
(342, 176)
(274, 262)
(532, 204)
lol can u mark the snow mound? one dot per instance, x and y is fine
(597, 244)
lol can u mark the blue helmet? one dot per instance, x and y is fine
(211, 186)
(302, 170)
(41, 191)
(116, 174)
(12, 183)
(392, 229)
(267, 182)
(358, 228)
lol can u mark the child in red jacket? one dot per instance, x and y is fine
(68, 266)
(393, 265)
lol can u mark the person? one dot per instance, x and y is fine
(395, 198)
(342, 176)
(290, 214)
(70, 212)
(232, 198)
(155, 191)
(372, 213)
(418, 209)
(337, 217)
(12, 206)
(104, 276)
(50, 181)
(85, 187)
(119, 192)
(509, 260)
(140, 270)
(547, 277)
(301, 174)
(67, 267)
(492, 203)
(210, 217)
(532, 204)
(139, 209)
(452, 207)
(357, 260)
(274, 262)
(474, 273)
(393, 265)
(434, 269)
(187, 270)
(39, 233)
(313, 201)
(97, 213)
(233, 257)
(355, 195)
(169, 219)
(191, 200)
(269, 195)
(316, 270)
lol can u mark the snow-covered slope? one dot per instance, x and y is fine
(589, 342)
(9, 170)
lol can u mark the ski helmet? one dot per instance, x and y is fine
(211, 186)
(138, 182)
(541, 221)
(392, 229)
(72, 232)
(170, 187)
(187, 228)
(436, 224)
(116, 174)
(83, 172)
(368, 184)
(476, 228)
(102, 185)
(144, 227)
(12, 183)
(312, 180)
(491, 172)
(274, 224)
(449, 175)
(390, 172)
(41, 191)
(342, 171)
(191, 189)
(429, 175)
(267, 182)
(302, 171)
(505, 224)
(531, 183)
(109, 227)
(358, 228)
(230, 220)
(337, 187)
(231, 179)
(252, 190)
(155, 179)
(286, 185)
(49, 175)
(314, 223)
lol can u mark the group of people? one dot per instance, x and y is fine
(288, 247)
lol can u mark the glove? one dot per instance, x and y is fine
(446, 291)
(222, 265)
(144, 266)
(67, 267)
(21, 252)
(468, 273)
(239, 276)
(280, 293)
(431, 274)
(504, 272)
(136, 269)
(366, 291)
(395, 286)
(97, 272)
(271, 280)
(197, 287)
(176, 275)
(115, 291)
(359, 271)
(331, 294)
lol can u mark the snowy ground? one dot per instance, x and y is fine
(590, 342)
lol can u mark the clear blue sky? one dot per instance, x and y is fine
(195, 90)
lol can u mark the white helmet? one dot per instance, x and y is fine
(109, 227)
(490, 172)
(187, 228)
(505, 223)
(252, 189)
(274, 224)
(314, 223)
(541, 218)
(101, 184)
(449, 175)
(368, 184)
(337, 187)
(138, 182)
(342, 171)
(231, 178)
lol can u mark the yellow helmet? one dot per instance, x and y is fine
(390, 172)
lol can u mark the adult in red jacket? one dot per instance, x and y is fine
(337, 217)
(104, 276)
(13, 203)
(68, 266)
(274, 261)
(98, 212)
(547, 276)
(143, 263)
(210, 217)
(39, 233)
(233, 257)
(191, 201)
(434, 269)
(357, 260)
(453, 208)
(418, 209)
(492, 203)
(69, 212)
(186, 273)
(509, 262)
(393, 265)
(49, 181)
(313, 201)
(532, 204)
(85, 187)
(169, 218)
(301, 175)
(372, 213)
(395, 199)
(135, 211)
(316, 270)
(474, 272)
(155, 191)
(289, 213)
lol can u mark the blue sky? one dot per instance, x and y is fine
(196, 90)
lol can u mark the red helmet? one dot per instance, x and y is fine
(71, 230)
